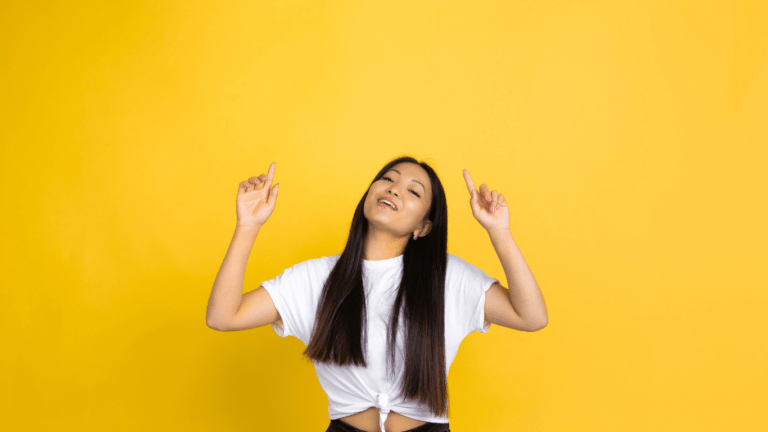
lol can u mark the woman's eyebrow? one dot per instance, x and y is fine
(422, 186)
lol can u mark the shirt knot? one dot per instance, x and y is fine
(382, 403)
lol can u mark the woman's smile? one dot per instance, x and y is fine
(385, 205)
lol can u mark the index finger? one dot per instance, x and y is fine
(470, 183)
(270, 174)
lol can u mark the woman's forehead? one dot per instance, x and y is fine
(416, 172)
(410, 169)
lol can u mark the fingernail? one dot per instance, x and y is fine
(488, 197)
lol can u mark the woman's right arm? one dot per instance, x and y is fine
(228, 308)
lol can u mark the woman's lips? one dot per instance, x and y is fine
(384, 205)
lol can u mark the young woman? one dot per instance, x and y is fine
(383, 320)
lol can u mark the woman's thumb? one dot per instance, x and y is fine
(273, 193)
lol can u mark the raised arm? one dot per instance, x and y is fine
(228, 309)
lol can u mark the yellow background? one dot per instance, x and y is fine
(628, 137)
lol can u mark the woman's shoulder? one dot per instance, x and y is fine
(460, 268)
(456, 262)
(329, 260)
(320, 263)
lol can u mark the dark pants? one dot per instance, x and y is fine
(339, 426)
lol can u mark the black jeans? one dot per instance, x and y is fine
(339, 426)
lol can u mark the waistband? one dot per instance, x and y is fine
(340, 426)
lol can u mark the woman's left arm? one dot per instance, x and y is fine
(524, 292)
(491, 211)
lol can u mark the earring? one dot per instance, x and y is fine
(415, 236)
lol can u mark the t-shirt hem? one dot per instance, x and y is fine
(281, 307)
(479, 324)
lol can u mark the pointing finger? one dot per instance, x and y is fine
(270, 174)
(470, 183)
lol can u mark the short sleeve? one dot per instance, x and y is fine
(293, 294)
(472, 285)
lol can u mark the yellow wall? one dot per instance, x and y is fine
(628, 138)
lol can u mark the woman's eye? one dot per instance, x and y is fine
(387, 178)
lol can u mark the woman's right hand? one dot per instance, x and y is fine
(256, 199)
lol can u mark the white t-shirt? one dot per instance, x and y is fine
(351, 389)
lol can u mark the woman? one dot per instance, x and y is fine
(382, 371)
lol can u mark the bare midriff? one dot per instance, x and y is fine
(368, 421)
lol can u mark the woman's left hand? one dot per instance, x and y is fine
(488, 207)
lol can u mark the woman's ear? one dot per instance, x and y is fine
(427, 228)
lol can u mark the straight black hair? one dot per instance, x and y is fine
(339, 335)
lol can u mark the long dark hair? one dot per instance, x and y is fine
(339, 335)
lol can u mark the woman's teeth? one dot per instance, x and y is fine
(383, 204)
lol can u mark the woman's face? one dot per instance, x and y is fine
(407, 185)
